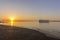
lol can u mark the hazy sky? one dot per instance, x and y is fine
(30, 9)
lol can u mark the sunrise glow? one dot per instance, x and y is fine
(12, 20)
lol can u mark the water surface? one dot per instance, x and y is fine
(51, 29)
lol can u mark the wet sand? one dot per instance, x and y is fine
(18, 33)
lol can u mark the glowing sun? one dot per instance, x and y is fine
(12, 20)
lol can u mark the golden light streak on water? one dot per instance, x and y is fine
(12, 22)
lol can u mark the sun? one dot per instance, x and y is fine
(12, 20)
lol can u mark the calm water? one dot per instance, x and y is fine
(51, 29)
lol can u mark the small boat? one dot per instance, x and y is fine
(43, 21)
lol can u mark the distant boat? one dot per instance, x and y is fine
(43, 21)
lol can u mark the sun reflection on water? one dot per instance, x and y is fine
(12, 22)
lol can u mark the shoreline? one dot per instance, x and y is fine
(14, 33)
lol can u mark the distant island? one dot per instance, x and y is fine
(47, 21)
(44, 21)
